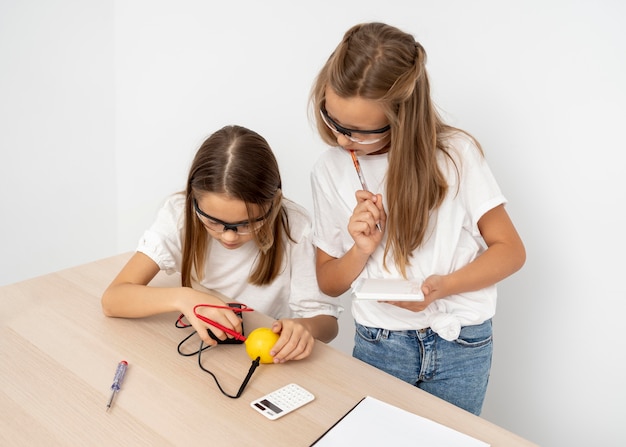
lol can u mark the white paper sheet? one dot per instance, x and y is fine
(374, 423)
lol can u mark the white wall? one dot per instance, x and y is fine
(57, 137)
(104, 103)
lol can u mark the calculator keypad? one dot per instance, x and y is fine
(282, 401)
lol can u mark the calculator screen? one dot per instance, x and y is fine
(271, 406)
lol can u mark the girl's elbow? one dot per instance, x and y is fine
(106, 305)
(520, 257)
(107, 312)
(329, 290)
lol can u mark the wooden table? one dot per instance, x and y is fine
(59, 354)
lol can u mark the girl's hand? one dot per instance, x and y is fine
(362, 226)
(295, 342)
(225, 317)
(432, 288)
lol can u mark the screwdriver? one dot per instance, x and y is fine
(117, 380)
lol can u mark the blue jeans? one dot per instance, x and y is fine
(456, 371)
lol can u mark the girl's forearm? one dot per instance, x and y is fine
(498, 262)
(136, 301)
(335, 275)
(322, 327)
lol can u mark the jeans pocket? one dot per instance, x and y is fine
(369, 334)
(476, 336)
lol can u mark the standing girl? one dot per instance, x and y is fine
(435, 215)
(233, 233)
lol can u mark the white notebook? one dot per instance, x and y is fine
(388, 289)
(374, 422)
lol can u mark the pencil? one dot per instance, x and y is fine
(357, 166)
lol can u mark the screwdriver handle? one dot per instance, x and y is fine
(119, 375)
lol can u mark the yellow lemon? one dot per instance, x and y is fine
(260, 342)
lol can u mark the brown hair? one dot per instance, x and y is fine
(381, 63)
(237, 162)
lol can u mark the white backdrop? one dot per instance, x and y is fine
(103, 104)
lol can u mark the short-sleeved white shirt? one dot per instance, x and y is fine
(294, 292)
(452, 239)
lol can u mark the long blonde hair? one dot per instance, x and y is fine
(381, 63)
(240, 163)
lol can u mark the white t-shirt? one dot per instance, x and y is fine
(294, 292)
(452, 239)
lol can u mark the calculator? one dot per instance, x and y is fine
(282, 401)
